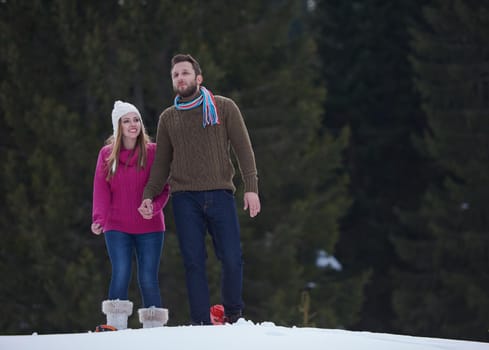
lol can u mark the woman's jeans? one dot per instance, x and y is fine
(197, 212)
(148, 247)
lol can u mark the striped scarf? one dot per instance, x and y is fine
(209, 109)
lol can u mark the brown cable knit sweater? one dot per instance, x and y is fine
(193, 158)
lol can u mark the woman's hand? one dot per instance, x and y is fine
(96, 228)
(146, 209)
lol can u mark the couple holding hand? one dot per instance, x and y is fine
(191, 160)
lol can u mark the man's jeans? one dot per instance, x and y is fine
(148, 247)
(198, 212)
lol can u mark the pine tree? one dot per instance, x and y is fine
(443, 289)
(364, 47)
(44, 254)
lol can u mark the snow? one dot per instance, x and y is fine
(243, 335)
(325, 260)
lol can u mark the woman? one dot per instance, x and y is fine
(122, 170)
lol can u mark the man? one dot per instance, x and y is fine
(193, 155)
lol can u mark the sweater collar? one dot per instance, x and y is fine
(128, 157)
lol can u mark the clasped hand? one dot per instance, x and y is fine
(146, 209)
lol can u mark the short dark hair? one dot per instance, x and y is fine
(186, 58)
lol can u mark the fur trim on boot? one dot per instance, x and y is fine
(153, 317)
(117, 312)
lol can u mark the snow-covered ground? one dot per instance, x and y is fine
(243, 335)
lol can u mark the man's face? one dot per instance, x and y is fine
(185, 82)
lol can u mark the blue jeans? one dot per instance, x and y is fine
(197, 212)
(148, 247)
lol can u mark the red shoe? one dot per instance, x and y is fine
(105, 328)
(217, 314)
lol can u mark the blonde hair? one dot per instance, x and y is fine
(112, 160)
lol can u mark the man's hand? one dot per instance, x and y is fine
(146, 209)
(252, 201)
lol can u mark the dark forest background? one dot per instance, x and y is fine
(370, 123)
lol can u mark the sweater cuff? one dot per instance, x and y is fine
(251, 184)
(147, 194)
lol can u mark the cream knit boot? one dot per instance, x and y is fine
(153, 317)
(117, 312)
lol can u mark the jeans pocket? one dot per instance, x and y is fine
(228, 193)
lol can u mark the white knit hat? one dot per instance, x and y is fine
(121, 109)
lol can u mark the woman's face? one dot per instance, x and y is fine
(130, 125)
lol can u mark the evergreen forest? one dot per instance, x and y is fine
(369, 121)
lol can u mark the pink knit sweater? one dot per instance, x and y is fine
(115, 202)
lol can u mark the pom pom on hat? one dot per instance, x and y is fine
(120, 109)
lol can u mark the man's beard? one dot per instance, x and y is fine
(188, 91)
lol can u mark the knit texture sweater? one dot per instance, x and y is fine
(192, 158)
(116, 202)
